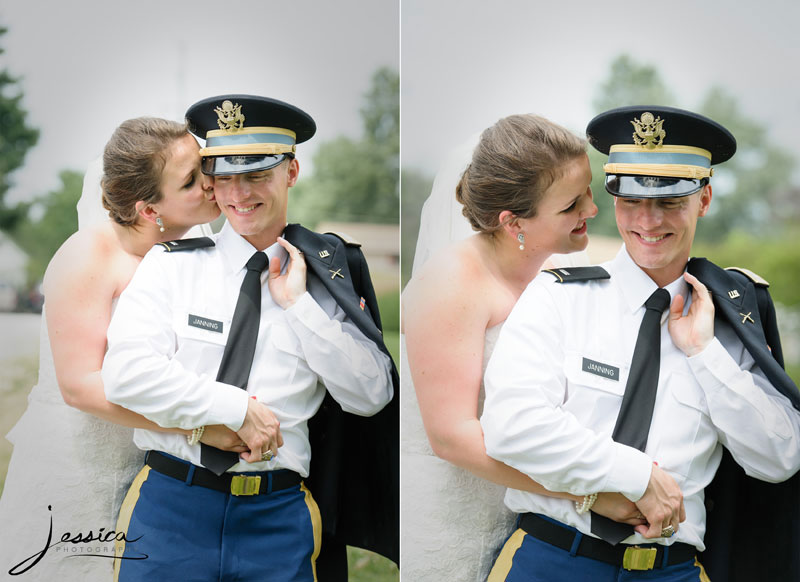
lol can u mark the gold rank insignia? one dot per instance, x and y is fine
(648, 131)
(230, 116)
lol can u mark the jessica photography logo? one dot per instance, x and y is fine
(76, 545)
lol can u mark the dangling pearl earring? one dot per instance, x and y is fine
(521, 239)
(160, 224)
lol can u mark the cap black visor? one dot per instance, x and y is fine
(652, 186)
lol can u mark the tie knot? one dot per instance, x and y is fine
(658, 301)
(257, 262)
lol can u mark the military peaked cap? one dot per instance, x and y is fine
(658, 152)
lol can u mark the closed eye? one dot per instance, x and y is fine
(572, 206)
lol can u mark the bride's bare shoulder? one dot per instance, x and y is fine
(86, 253)
(455, 272)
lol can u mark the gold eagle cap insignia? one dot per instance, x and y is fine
(230, 116)
(648, 131)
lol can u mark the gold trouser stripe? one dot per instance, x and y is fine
(703, 576)
(124, 519)
(316, 524)
(504, 561)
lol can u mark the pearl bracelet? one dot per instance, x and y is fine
(197, 434)
(586, 505)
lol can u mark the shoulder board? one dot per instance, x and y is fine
(577, 274)
(750, 275)
(346, 239)
(186, 244)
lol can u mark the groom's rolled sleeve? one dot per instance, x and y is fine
(139, 371)
(524, 423)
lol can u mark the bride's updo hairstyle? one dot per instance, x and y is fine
(133, 162)
(515, 162)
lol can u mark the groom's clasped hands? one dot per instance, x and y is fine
(260, 433)
(660, 506)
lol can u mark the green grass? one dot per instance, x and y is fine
(18, 377)
(364, 566)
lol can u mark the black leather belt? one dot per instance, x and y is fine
(233, 483)
(644, 557)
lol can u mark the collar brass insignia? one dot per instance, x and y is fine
(648, 131)
(230, 116)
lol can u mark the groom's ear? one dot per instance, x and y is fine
(146, 211)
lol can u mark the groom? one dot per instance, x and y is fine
(303, 336)
(628, 383)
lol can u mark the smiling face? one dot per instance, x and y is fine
(184, 203)
(658, 232)
(256, 203)
(560, 222)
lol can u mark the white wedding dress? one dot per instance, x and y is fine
(453, 524)
(68, 466)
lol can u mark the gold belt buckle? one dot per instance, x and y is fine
(636, 558)
(245, 484)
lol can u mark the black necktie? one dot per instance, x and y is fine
(636, 411)
(237, 359)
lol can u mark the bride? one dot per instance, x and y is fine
(526, 192)
(73, 455)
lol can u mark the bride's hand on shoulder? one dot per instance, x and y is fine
(619, 508)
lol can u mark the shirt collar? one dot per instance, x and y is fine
(236, 251)
(636, 285)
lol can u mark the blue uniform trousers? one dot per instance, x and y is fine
(525, 558)
(178, 532)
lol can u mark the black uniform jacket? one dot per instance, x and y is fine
(355, 463)
(753, 527)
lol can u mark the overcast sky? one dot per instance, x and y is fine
(467, 63)
(87, 65)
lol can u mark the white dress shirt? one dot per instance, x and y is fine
(555, 383)
(168, 333)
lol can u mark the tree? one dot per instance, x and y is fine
(381, 113)
(357, 180)
(58, 219)
(16, 138)
(752, 191)
(630, 83)
(756, 197)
